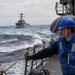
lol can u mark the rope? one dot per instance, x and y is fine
(24, 54)
(4, 72)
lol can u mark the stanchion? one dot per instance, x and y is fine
(26, 62)
(33, 60)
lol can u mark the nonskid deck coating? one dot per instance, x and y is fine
(53, 65)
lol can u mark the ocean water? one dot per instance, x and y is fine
(14, 41)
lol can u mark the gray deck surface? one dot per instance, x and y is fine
(54, 66)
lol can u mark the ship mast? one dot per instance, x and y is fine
(21, 16)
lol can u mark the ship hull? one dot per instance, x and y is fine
(22, 24)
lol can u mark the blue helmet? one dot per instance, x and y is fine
(66, 23)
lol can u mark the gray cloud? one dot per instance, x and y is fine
(35, 11)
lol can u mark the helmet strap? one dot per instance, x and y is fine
(66, 33)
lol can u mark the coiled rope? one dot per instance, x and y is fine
(4, 72)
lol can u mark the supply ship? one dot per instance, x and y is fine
(21, 23)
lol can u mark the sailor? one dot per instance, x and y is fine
(64, 47)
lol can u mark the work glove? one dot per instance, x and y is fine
(28, 58)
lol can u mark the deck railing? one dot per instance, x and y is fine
(34, 63)
(30, 65)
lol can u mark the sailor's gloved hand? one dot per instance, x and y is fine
(28, 58)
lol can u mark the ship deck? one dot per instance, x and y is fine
(53, 65)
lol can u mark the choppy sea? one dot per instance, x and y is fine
(13, 42)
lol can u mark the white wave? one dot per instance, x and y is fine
(37, 41)
(36, 36)
(9, 40)
(13, 47)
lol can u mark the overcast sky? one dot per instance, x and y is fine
(35, 11)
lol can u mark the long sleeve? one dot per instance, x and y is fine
(47, 52)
